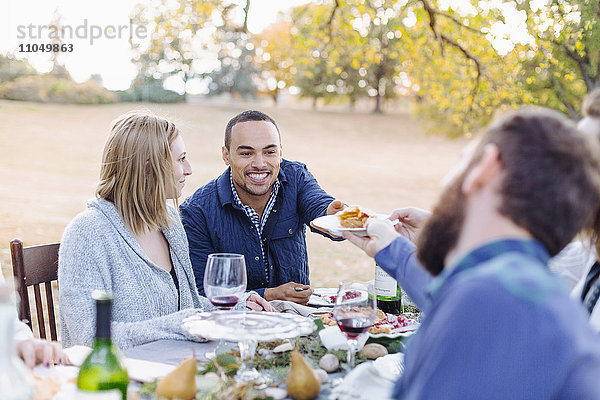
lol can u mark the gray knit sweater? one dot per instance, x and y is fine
(97, 251)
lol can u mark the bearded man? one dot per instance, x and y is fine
(499, 325)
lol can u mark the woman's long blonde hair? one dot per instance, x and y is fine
(137, 170)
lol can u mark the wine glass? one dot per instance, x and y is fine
(224, 283)
(354, 310)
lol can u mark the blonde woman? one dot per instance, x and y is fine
(131, 242)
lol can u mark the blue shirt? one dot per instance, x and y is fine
(501, 326)
(215, 224)
(259, 223)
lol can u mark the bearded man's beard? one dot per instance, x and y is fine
(441, 231)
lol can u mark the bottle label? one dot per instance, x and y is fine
(385, 285)
(114, 394)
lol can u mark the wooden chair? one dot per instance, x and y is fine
(33, 266)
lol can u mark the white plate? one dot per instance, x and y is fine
(316, 298)
(405, 331)
(331, 223)
(234, 326)
(399, 332)
(389, 367)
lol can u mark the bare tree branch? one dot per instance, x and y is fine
(443, 38)
(246, 9)
(336, 6)
(468, 56)
(457, 21)
(432, 19)
(582, 61)
(562, 96)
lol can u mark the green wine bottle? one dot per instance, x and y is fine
(102, 374)
(389, 295)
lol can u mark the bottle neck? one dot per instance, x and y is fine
(103, 317)
(102, 342)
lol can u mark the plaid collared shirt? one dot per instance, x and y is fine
(259, 223)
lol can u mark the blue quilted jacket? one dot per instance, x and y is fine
(214, 224)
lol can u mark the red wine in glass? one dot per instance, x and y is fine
(224, 302)
(224, 284)
(354, 327)
(354, 311)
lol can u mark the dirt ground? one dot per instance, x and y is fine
(50, 158)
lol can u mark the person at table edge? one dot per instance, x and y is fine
(259, 208)
(577, 263)
(499, 325)
(31, 350)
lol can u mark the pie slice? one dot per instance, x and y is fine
(354, 217)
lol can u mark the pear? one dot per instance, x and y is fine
(179, 383)
(303, 383)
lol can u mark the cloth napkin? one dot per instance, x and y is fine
(295, 308)
(363, 383)
(333, 339)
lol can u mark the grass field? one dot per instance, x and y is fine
(50, 157)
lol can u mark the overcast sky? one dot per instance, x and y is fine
(108, 57)
(20, 21)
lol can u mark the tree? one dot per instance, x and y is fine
(310, 51)
(458, 77)
(236, 73)
(354, 47)
(274, 58)
(360, 47)
(55, 26)
(461, 61)
(544, 53)
(565, 63)
(11, 68)
(196, 39)
(388, 37)
(180, 30)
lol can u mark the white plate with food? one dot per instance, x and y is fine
(323, 297)
(351, 219)
(397, 332)
(392, 326)
(385, 326)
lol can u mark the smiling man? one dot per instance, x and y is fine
(259, 208)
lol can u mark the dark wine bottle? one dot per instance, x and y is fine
(389, 295)
(102, 374)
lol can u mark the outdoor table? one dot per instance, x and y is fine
(174, 351)
(170, 352)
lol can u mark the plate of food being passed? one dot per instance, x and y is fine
(351, 219)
